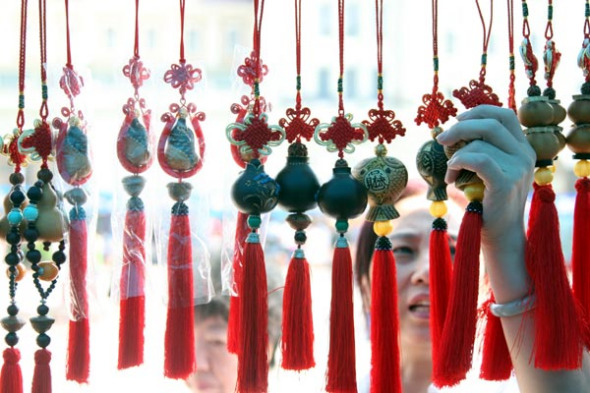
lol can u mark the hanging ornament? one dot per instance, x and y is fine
(74, 166)
(455, 349)
(179, 158)
(558, 343)
(578, 142)
(254, 193)
(46, 222)
(385, 178)
(432, 166)
(247, 72)
(342, 197)
(298, 186)
(134, 150)
(11, 226)
(511, 62)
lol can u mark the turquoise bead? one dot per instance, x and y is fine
(31, 213)
(15, 217)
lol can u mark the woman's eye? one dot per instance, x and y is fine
(403, 252)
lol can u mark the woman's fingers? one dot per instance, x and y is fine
(482, 158)
(503, 115)
(488, 130)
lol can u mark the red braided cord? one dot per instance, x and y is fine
(487, 33)
(298, 54)
(182, 59)
(258, 14)
(341, 53)
(43, 112)
(435, 44)
(69, 63)
(549, 28)
(379, 28)
(136, 45)
(511, 88)
(526, 30)
(587, 33)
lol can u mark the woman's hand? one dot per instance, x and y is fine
(501, 156)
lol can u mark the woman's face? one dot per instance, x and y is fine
(410, 238)
(217, 369)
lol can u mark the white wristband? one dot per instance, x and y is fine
(515, 307)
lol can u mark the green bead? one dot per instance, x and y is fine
(341, 226)
(254, 221)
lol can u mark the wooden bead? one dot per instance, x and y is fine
(20, 272)
(474, 192)
(48, 271)
(383, 228)
(438, 209)
(582, 168)
(543, 176)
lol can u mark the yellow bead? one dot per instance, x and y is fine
(553, 168)
(543, 176)
(474, 192)
(582, 168)
(438, 209)
(383, 228)
(20, 272)
(48, 271)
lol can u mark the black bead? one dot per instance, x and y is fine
(31, 234)
(59, 257)
(12, 309)
(11, 339)
(35, 193)
(34, 256)
(12, 259)
(13, 237)
(45, 175)
(17, 197)
(300, 237)
(43, 340)
(343, 197)
(16, 178)
(46, 246)
(42, 309)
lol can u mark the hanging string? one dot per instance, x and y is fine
(43, 112)
(551, 55)
(549, 28)
(379, 28)
(341, 55)
(258, 14)
(298, 52)
(69, 63)
(182, 59)
(487, 33)
(586, 36)
(20, 118)
(511, 88)
(136, 45)
(435, 44)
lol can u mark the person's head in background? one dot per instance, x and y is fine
(217, 369)
(410, 244)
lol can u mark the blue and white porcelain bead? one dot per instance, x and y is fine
(15, 217)
(31, 213)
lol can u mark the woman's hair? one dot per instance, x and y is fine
(367, 237)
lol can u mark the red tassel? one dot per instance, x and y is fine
(42, 373)
(496, 363)
(341, 373)
(456, 343)
(297, 341)
(179, 355)
(78, 356)
(385, 358)
(233, 321)
(581, 247)
(132, 304)
(558, 336)
(253, 340)
(440, 281)
(11, 378)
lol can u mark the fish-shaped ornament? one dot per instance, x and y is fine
(385, 178)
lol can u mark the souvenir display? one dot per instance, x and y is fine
(298, 187)
(11, 226)
(432, 166)
(178, 156)
(135, 153)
